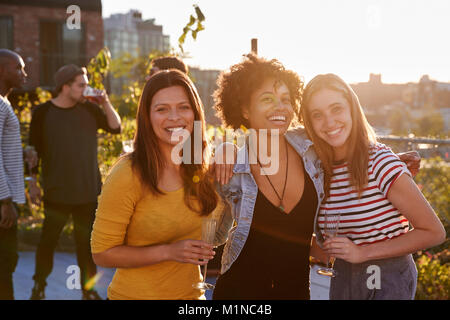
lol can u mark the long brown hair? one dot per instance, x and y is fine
(359, 141)
(147, 159)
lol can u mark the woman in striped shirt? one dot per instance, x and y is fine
(372, 190)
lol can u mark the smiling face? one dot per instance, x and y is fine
(170, 111)
(270, 107)
(330, 115)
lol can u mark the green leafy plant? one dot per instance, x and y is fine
(110, 145)
(434, 181)
(199, 19)
(98, 68)
(135, 71)
(25, 104)
(433, 266)
(433, 279)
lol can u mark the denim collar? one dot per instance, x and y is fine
(299, 140)
(296, 137)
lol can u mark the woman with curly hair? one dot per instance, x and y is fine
(267, 252)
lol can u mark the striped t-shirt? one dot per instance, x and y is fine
(11, 155)
(371, 218)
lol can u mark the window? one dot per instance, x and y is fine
(6, 32)
(59, 46)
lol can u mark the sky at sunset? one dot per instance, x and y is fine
(401, 39)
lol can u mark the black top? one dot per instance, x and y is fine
(66, 142)
(274, 262)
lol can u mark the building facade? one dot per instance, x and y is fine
(206, 83)
(39, 32)
(129, 33)
(408, 107)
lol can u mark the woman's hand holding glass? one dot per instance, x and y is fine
(191, 251)
(209, 226)
(329, 231)
(344, 248)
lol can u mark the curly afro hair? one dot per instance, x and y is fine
(236, 86)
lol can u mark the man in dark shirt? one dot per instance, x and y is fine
(64, 134)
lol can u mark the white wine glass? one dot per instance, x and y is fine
(208, 234)
(330, 230)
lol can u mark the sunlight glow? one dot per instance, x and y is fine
(402, 39)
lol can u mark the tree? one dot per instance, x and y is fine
(399, 121)
(134, 70)
(432, 124)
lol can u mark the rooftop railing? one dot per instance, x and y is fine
(427, 147)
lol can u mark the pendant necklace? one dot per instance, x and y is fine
(280, 207)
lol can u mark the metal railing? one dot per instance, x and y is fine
(415, 140)
(427, 147)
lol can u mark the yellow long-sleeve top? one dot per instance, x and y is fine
(128, 216)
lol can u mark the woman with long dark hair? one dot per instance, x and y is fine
(149, 216)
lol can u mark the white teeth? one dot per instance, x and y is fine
(281, 118)
(334, 132)
(175, 129)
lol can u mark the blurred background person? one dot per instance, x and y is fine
(165, 63)
(12, 189)
(64, 134)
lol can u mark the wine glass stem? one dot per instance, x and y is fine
(330, 262)
(204, 277)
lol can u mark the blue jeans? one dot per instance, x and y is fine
(385, 279)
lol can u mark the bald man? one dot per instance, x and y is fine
(12, 190)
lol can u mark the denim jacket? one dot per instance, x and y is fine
(240, 193)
